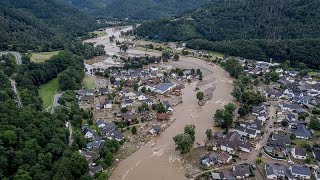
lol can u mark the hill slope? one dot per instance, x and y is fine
(42, 24)
(136, 9)
(271, 28)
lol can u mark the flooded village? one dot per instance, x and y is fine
(143, 99)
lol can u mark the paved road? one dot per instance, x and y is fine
(17, 55)
(14, 87)
(55, 103)
(70, 133)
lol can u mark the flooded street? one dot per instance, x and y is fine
(158, 159)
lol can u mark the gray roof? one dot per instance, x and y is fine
(301, 170)
(241, 170)
(300, 151)
(164, 86)
(276, 169)
(302, 131)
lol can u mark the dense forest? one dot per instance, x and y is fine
(136, 9)
(256, 29)
(40, 25)
(34, 143)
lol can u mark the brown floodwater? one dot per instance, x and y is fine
(157, 159)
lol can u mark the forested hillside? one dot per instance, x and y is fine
(258, 29)
(136, 9)
(40, 24)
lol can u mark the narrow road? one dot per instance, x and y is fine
(55, 103)
(17, 55)
(70, 133)
(14, 87)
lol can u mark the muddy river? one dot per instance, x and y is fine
(158, 159)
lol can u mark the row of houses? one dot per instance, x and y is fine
(96, 142)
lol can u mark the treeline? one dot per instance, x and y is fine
(87, 50)
(295, 50)
(71, 78)
(136, 10)
(42, 25)
(263, 29)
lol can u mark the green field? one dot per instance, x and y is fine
(47, 91)
(88, 82)
(42, 56)
(100, 33)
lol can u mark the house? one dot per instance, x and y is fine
(209, 160)
(163, 116)
(128, 118)
(225, 175)
(96, 144)
(166, 104)
(117, 135)
(224, 158)
(300, 172)
(149, 102)
(279, 141)
(86, 92)
(126, 103)
(228, 146)
(156, 129)
(316, 153)
(108, 129)
(107, 105)
(241, 171)
(142, 97)
(243, 146)
(100, 123)
(90, 156)
(275, 171)
(131, 95)
(262, 116)
(103, 91)
(86, 99)
(256, 110)
(95, 170)
(299, 153)
(302, 132)
(246, 132)
(89, 133)
(162, 88)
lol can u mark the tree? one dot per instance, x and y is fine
(136, 86)
(161, 108)
(284, 123)
(209, 134)
(200, 96)
(314, 123)
(134, 130)
(166, 54)
(143, 89)
(176, 57)
(124, 47)
(183, 143)
(244, 110)
(190, 129)
(230, 107)
(112, 79)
